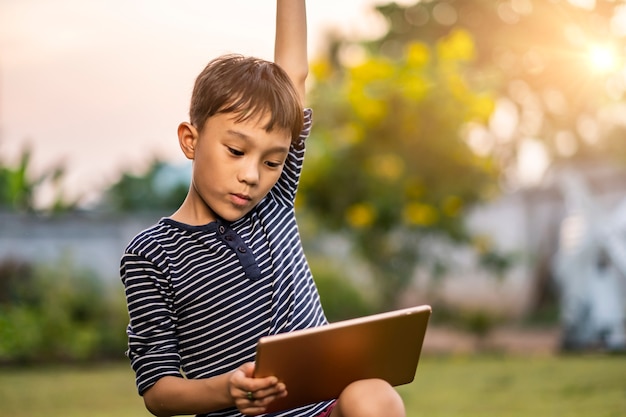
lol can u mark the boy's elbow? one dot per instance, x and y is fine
(155, 410)
(152, 408)
(154, 405)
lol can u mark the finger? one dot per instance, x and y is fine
(248, 404)
(248, 369)
(264, 399)
(244, 371)
(240, 382)
(271, 393)
(250, 396)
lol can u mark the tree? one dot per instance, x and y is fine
(556, 67)
(388, 163)
(18, 189)
(162, 188)
(558, 71)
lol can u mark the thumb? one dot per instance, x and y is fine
(247, 369)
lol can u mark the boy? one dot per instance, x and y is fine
(227, 267)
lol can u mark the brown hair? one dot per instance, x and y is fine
(248, 87)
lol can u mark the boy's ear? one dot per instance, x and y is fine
(187, 139)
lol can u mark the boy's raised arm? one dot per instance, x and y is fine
(290, 48)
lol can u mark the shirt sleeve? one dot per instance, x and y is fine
(287, 185)
(152, 343)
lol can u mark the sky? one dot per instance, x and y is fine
(100, 86)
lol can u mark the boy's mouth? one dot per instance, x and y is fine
(240, 199)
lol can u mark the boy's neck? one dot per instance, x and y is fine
(194, 214)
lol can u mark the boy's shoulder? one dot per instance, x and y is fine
(168, 233)
(149, 236)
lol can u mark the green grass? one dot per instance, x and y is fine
(573, 386)
(102, 391)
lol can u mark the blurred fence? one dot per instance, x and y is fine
(89, 240)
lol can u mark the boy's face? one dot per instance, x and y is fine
(234, 165)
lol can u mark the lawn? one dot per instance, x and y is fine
(573, 386)
(467, 386)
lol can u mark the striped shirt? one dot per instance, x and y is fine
(200, 297)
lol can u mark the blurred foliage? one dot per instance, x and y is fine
(415, 127)
(387, 161)
(556, 66)
(340, 298)
(474, 320)
(18, 188)
(162, 188)
(57, 313)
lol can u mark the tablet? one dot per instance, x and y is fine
(316, 364)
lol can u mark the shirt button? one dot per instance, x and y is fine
(229, 238)
(222, 229)
(242, 249)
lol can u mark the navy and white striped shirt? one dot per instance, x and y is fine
(200, 297)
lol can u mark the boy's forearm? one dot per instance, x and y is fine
(171, 396)
(290, 50)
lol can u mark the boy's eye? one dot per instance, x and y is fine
(235, 151)
(273, 164)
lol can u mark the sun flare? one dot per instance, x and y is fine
(602, 58)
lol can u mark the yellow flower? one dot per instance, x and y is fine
(321, 69)
(419, 214)
(360, 215)
(372, 70)
(367, 108)
(457, 46)
(417, 54)
(349, 133)
(389, 166)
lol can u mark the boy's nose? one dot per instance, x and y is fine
(249, 173)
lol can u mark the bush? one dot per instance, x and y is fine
(340, 298)
(58, 313)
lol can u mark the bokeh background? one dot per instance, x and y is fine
(469, 155)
